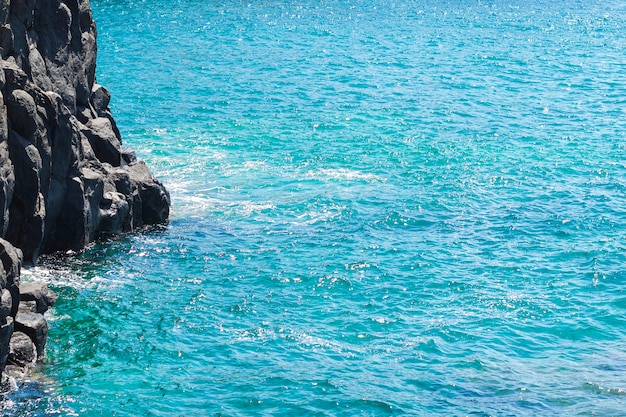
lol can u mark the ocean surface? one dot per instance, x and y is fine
(406, 208)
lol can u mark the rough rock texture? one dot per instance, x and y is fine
(30, 333)
(65, 179)
(22, 351)
(38, 294)
(34, 325)
(11, 260)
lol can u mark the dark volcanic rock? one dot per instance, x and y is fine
(35, 326)
(65, 177)
(11, 259)
(39, 293)
(6, 331)
(103, 140)
(23, 110)
(22, 350)
(11, 262)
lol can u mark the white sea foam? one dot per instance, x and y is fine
(343, 174)
(312, 217)
(55, 276)
(248, 208)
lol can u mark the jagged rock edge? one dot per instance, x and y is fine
(65, 178)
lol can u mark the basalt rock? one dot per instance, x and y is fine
(10, 264)
(34, 326)
(65, 177)
(22, 351)
(37, 293)
(30, 329)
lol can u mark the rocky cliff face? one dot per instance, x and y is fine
(65, 179)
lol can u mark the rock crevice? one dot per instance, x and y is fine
(65, 178)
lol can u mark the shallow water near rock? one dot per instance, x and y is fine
(399, 208)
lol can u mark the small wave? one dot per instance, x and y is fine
(247, 208)
(334, 280)
(193, 205)
(237, 169)
(343, 174)
(375, 406)
(314, 342)
(358, 266)
(599, 388)
(259, 334)
(313, 217)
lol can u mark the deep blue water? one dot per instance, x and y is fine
(379, 208)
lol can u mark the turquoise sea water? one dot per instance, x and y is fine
(379, 208)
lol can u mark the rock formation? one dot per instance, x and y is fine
(11, 259)
(65, 179)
